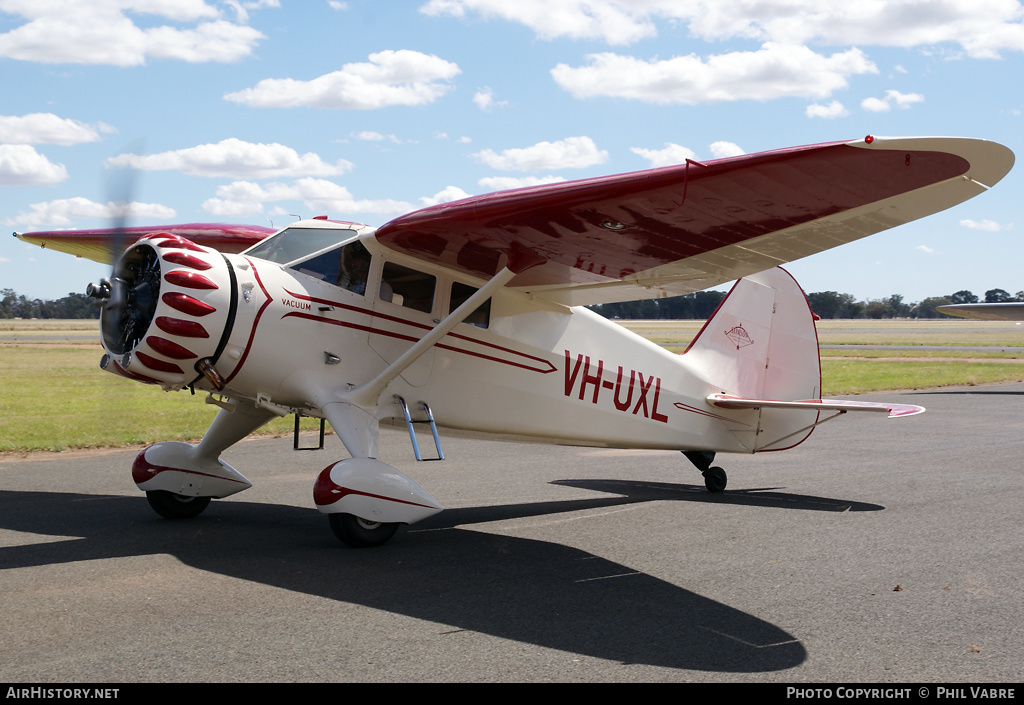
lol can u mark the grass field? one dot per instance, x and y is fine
(54, 396)
(910, 333)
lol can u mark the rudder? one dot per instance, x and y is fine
(761, 343)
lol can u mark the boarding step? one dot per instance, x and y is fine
(295, 438)
(412, 433)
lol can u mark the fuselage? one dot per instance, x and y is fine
(523, 368)
(306, 319)
(321, 308)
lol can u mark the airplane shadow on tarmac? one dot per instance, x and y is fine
(522, 589)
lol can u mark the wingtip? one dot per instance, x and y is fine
(989, 161)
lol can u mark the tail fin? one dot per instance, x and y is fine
(761, 344)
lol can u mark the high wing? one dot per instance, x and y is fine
(685, 228)
(97, 245)
(1009, 311)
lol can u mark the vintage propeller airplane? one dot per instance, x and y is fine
(1006, 311)
(470, 316)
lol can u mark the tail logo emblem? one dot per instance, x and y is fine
(739, 336)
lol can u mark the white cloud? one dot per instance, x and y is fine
(371, 136)
(570, 153)
(101, 32)
(904, 100)
(400, 77)
(459, 140)
(64, 212)
(927, 250)
(221, 42)
(671, 154)
(875, 105)
(901, 100)
(47, 128)
(774, 71)
(615, 22)
(722, 149)
(245, 198)
(235, 158)
(503, 183)
(989, 226)
(833, 110)
(242, 7)
(22, 165)
(447, 195)
(484, 99)
(982, 28)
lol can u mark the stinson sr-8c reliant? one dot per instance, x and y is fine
(470, 316)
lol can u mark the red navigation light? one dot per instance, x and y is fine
(869, 139)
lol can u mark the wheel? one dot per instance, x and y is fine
(715, 479)
(176, 506)
(360, 533)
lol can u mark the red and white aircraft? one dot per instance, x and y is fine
(1006, 311)
(469, 316)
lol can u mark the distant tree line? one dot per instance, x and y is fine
(13, 305)
(700, 305)
(826, 304)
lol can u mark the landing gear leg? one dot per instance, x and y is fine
(715, 478)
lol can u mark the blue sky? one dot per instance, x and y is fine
(259, 111)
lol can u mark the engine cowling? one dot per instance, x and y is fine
(167, 312)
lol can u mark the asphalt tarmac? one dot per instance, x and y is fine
(882, 551)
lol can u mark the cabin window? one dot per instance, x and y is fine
(481, 317)
(407, 287)
(347, 267)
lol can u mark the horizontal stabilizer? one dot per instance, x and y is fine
(726, 401)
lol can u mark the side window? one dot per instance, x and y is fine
(347, 267)
(407, 287)
(353, 268)
(481, 317)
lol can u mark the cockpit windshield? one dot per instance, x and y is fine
(295, 243)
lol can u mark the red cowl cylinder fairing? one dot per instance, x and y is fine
(170, 311)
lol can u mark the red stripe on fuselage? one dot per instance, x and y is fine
(542, 366)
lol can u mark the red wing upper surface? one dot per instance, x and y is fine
(98, 245)
(685, 228)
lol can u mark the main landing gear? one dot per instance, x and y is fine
(360, 533)
(715, 478)
(176, 506)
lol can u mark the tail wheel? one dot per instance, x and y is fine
(715, 479)
(176, 506)
(360, 533)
